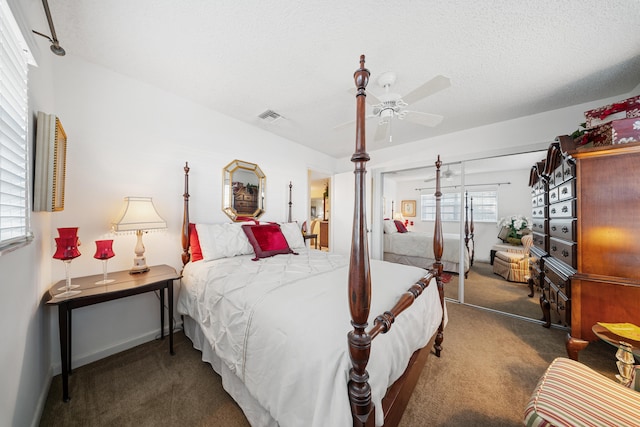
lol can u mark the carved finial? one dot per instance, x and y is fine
(361, 77)
(186, 167)
(438, 162)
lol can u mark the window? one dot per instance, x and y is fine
(485, 206)
(14, 110)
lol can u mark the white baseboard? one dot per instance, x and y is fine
(98, 354)
(42, 399)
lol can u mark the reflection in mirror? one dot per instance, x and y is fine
(243, 190)
(508, 177)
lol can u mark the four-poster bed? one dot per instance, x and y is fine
(414, 248)
(274, 327)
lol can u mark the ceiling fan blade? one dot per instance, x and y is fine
(371, 98)
(424, 119)
(434, 85)
(351, 123)
(382, 131)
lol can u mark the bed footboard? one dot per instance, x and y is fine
(360, 286)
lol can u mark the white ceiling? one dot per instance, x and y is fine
(505, 58)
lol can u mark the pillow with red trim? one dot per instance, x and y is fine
(400, 226)
(194, 243)
(267, 240)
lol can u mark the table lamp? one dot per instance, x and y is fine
(67, 250)
(104, 251)
(139, 215)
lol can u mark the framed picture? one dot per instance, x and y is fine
(408, 208)
(50, 164)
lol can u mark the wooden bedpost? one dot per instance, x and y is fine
(290, 202)
(185, 217)
(359, 273)
(438, 244)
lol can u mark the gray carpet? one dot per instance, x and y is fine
(489, 366)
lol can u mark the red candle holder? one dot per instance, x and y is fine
(67, 250)
(104, 251)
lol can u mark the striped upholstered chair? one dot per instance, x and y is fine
(572, 394)
(514, 266)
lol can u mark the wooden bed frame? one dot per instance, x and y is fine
(359, 290)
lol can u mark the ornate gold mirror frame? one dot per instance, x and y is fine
(243, 190)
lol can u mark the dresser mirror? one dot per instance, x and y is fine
(243, 190)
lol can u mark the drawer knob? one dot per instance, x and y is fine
(565, 253)
(565, 229)
(554, 248)
(565, 209)
(553, 227)
(565, 190)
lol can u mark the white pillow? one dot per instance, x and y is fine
(390, 226)
(223, 240)
(293, 234)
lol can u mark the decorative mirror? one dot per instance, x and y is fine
(243, 190)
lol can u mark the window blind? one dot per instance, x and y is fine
(14, 110)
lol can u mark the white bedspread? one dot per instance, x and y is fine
(416, 244)
(281, 325)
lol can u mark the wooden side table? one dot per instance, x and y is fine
(158, 278)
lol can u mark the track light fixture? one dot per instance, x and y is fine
(55, 45)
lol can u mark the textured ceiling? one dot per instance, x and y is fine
(505, 58)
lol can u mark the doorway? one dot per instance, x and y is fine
(319, 214)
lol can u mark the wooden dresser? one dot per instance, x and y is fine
(553, 184)
(606, 286)
(586, 226)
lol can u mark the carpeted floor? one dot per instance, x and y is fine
(484, 288)
(489, 366)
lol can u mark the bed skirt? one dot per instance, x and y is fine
(255, 413)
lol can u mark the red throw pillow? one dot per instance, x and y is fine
(194, 244)
(400, 226)
(267, 240)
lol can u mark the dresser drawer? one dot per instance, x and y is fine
(567, 190)
(540, 240)
(539, 200)
(539, 225)
(569, 170)
(539, 212)
(563, 250)
(565, 209)
(563, 306)
(563, 228)
(560, 282)
(558, 175)
(553, 195)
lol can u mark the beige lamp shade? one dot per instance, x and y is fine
(139, 215)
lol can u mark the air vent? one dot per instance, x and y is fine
(270, 116)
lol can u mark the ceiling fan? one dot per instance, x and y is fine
(391, 105)
(447, 175)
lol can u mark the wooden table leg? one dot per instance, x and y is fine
(65, 353)
(161, 292)
(170, 292)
